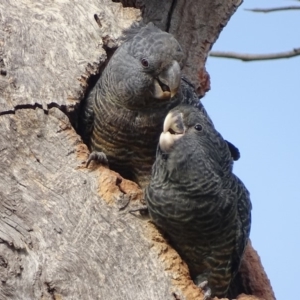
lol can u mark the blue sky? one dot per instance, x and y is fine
(256, 106)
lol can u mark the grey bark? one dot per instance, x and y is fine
(62, 234)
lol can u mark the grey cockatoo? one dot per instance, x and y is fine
(124, 112)
(194, 197)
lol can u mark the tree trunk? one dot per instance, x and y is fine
(65, 230)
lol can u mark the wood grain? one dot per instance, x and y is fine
(65, 231)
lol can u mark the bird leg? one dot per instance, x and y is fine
(203, 285)
(99, 157)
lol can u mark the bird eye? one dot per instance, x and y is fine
(144, 62)
(198, 127)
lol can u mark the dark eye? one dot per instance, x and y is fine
(198, 127)
(144, 62)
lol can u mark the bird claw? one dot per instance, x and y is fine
(203, 285)
(99, 157)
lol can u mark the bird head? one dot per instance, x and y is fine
(189, 135)
(146, 68)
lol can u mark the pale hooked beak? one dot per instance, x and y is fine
(173, 131)
(167, 83)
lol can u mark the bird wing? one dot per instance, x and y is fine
(86, 116)
(243, 224)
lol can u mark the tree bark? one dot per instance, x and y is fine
(65, 230)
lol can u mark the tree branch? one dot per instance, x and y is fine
(267, 10)
(252, 57)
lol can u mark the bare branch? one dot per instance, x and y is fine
(267, 10)
(252, 57)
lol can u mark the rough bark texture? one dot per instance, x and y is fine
(65, 231)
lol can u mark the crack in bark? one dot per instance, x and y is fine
(69, 111)
(3, 262)
(21, 106)
(21, 184)
(176, 297)
(170, 14)
(50, 290)
(63, 108)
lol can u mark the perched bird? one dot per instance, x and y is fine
(123, 114)
(196, 200)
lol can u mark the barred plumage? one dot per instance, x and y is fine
(194, 197)
(124, 112)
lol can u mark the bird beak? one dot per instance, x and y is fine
(167, 83)
(173, 130)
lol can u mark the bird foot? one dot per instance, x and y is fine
(99, 157)
(203, 285)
